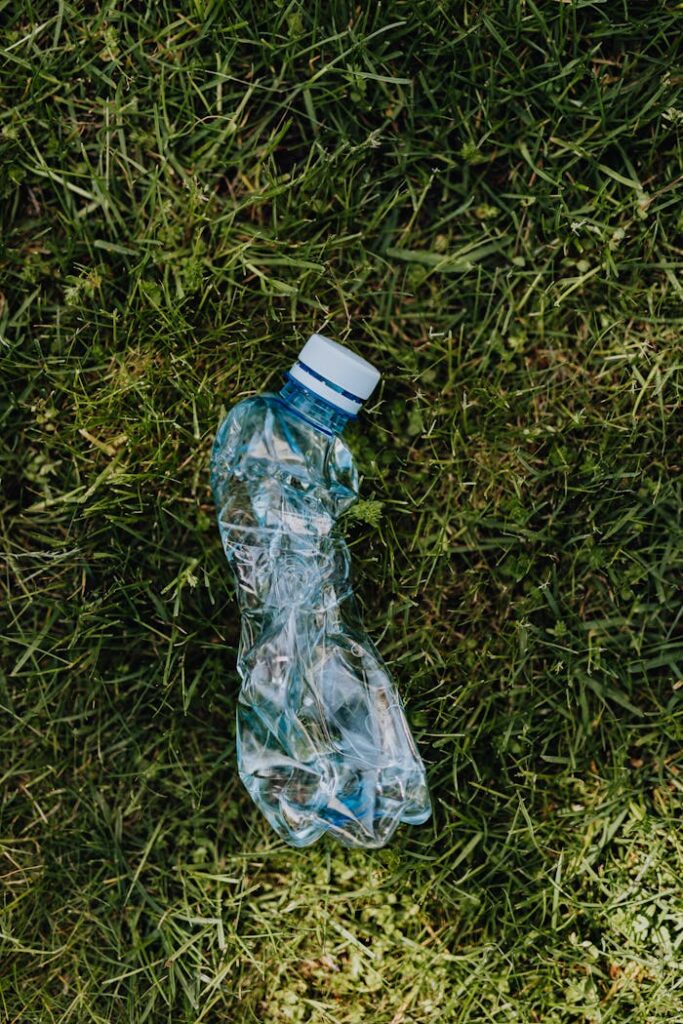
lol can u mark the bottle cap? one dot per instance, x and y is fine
(335, 373)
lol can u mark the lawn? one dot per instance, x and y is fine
(484, 199)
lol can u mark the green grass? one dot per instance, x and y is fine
(484, 198)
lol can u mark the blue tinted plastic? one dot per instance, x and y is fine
(322, 740)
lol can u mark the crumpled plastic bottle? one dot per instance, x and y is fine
(322, 740)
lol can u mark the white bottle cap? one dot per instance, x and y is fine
(335, 373)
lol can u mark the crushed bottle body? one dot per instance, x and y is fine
(322, 740)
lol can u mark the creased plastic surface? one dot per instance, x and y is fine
(323, 744)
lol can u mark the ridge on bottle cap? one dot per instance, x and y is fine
(335, 373)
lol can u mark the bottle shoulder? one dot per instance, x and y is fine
(261, 436)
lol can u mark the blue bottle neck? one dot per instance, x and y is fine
(312, 408)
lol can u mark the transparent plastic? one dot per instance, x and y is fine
(322, 740)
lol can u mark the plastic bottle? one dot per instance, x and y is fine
(322, 739)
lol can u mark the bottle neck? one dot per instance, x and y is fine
(313, 409)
